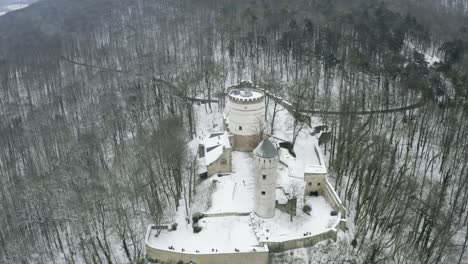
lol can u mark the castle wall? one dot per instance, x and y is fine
(245, 118)
(244, 143)
(168, 256)
(226, 214)
(314, 183)
(289, 207)
(332, 199)
(308, 241)
(223, 164)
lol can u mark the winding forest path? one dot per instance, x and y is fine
(181, 94)
(369, 112)
(177, 91)
(289, 106)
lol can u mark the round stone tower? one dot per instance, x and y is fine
(266, 159)
(245, 114)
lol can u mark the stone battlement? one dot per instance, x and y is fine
(245, 95)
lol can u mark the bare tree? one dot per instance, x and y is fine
(295, 190)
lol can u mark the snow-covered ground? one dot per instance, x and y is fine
(323, 252)
(287, 176)
(223, 234)
(7, 8)
(235, 192)
(281, 228)
(430, 55)
(208, 120)
(304, 147)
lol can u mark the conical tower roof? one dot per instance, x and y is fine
(266, 149)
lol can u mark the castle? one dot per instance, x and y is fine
(250, 174)
(244, 116)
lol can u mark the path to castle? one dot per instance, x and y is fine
(177, 91)
(288, 106)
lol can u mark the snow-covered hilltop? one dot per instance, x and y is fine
(270, 199)
(12, 5)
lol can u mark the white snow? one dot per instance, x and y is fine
(224, 234)
(214, 144)
(245, 94)
(430, 55)
(15, 6)
(281, 228)
(207, 120)
(213, 154)
(235, 192)
(431, 59)
(308, 157)
(208, 124)
(202, 168)
(8, 8)
(216, 138)
(281, 196)
(315, 169)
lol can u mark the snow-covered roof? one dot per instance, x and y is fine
(315, 169)
(317, 165)
(245, 94)
(213, 154)
(214, 144)
(266, 149)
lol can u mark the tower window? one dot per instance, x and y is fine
(264, 176)
(263, 193)
(310, 183)
(270, 161)
(240, 128)
(318, 184)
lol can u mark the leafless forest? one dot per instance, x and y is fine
(96, 111)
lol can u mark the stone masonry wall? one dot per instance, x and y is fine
(245, 143)
(332, 199)
(308, 241)
(222, 165)
(167, 256)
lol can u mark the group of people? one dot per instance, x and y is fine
(212, 250)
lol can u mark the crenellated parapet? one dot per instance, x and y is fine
(245, 114)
